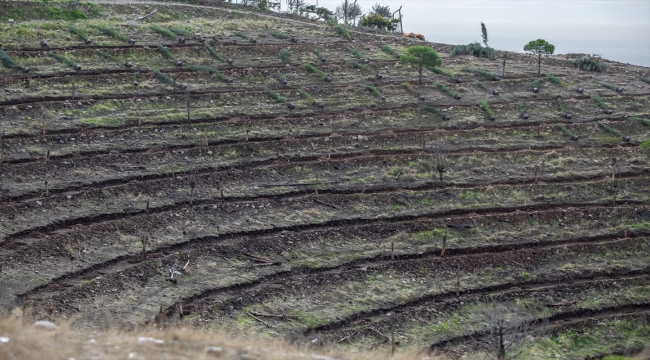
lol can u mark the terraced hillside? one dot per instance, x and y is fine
(207, 182)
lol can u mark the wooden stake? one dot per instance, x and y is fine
(458, 284)
(316, 193)
(392, 250)
(444, 244)
(192, 186)
(222, 199)
(2, 137)
(144, 239)
(392, 340)
(73, 91)
(329, 153)
(47, 156)
(47, 191)
(503, 74)
(188, 108)
(43, 127)
(146, 211)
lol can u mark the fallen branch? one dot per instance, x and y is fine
(299, 184)
(260, 320)
(283, 316)
(146, 16)
(326, 204)
(260, 259)
(386, 338)
(562, 303)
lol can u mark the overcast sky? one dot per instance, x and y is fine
(618, 29)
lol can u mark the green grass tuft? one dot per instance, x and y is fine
(535, 83)
(207, 69)
(79, 32)
(62, 59)
(354, 52)
(561, 105)
(440, 71)
(358, 66)
(162, 31)
(556, 80)
(642, 121)
(7, 61)
(486, 107)
(444, 89)
(312, 69)
(563, 129)
(388, 50)
(241, 35)
(598, 101)
(278, 35)
(285, 55)
(521, 107)
(607, 86)
(481, 85)
(608, 129)
(181, 32)
(372, 89)
(214, 53)
(112, 33)
(277, 97)
(318, 53)
(107, 56)
(478, 71)
(165, 52)
(433, 110)
(306, 96)
(342, 31)
(164, 78)
(644, 79)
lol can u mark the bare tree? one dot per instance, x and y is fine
(507, 328)
(347, 11)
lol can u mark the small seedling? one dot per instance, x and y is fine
(486, 107)
(207, 69)
(241, 35)
(561, 105)
(608, 129)
(607, 86)
(312, 69)
(7, 61)
(481, 85)
(181, 32)
(215, 54)
(358, 66)
(354, 52)
(165, 52)
(642, 121)
(372, 89)
(277, 97)
(62, 59)
(521, 107)
(565, 130)
(112, 33)
(388, 50)
(444, 89)
(285, 55)
(79, 32)
(440, 71)
(598, 101)
(487, 74)
(162, 31)
(108, 56)
(164, 78)
(342, 31)
(556, 80)
(278, 35)
(306, 96)
(644, 79)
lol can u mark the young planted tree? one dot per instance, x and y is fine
(484, 34)
(421, 57)
(539, 47)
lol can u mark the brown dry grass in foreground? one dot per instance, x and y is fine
(20, 339)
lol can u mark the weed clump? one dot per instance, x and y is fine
(354, 52)
(473, 49)
(561, 105)
(318, 53)
(433, 110)
(342, 31)
(486, 107)
(214, 53)
(444, 89)
(642, 121)
(112, 33)
(408, 87)
(107, 56)
(535, 83)
(181, 32)
(61, 59)
(278, 35)
(7, 61)
(440, 71)
(589, 63)
(358, 66)
(388, 50)
(79, 32)
(644, 79)
(165, 52)
(162, 31)
(479, 71)
(372, 89)
(607, 86)
(285, 55)
(306, 96)
(608, 129)
(598, 101)
(312, 69)
(521, 107)
(164, 78)
(207, 69)
(481, 85)
(556, 80)
(277, 97)
(241, 35)
(563, 129)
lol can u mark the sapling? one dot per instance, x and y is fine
(441, 166)
(2, 138)
(444, 244)
(47, 191)
(457, 282)
(192, 187)
(144, 240)
(537, 167)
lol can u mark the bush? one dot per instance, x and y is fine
(561, 105)
(358, 66)
(372, 89)
(473, 49)
(444, 89)
(644, 79)
(588, 63)
(642, 121)
(479, 71)
(563, 129)
(62, 59)
(354, 52)
(162, 31)
(112, 33)
(608, 129)
(312, 69)
(440, 71)
(342, 31)
(165, 52)
(556, 80)
(107, 56)
(274, 95)
(521, 107)
(285, 55)
(7, 61)
(278, 35)
(164, 78)
(388, 50)
(599, 101)
(378, 21)
(214, 53)
(206, 69)
(486, 107)
(535, 83)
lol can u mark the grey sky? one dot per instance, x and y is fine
(618, 29)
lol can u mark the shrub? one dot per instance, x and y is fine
(607, 86)
(644, 79)
(588, 63)
(556, 80)
(642, 121)
(62, 59)
(473, 49)
(112, 33)
(278, 35)
(312, 69)
(372, 89)
(164, 78)
(608, 129)
(342, 31)
(7, 61)
(285, 55)
(479, 71)
(563, 129)
(354, 52)
(408, 87)
(598, 101)
(181, 32)
(444, 89)
(214, 53)
(433, 110)
(318, 53)
(645, 145)
(378, 21)
(358, 66)
(78, 14)
(481, 85)
(107, 56)
(440, 71)
(535, 83)
(521, 107)
(207, 69)
(486, 107)
(162, 31)
(306, 96)
(277, 97)
(79, 32)
(561, 105)
(388, 50)
(241, 35)
(165, 52)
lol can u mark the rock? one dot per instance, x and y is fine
(215, 351)
(619, 89)
(4, 339)
(320, 357)
(328, 78)
(320, 104)
(283, 81)
(574, 137)
(626, 138)
(365, 61)
(201, 40)
(568, 115)
(580, 90)
(25, 69)
(608, 112)
(530, 338)
(398, 55)
(228, 80)
(291, 106)
(252, 40)
(181, 40)
(382, 98)
(88, 41)
(43, 43)
(149, 340)
(131, 42)
(445, 117)
(535, 90)
(495, 92)
(229, 61)
(128, 64)
(294, 39)
(77, 67)
(179, 63)
(323, 59)
(11, 21)
(135, 83)
(459, 80)
(457, 96)
(45, 325)
(491, 118)
(379, 76)
(421, 97)
(183, 86)
(496, 78)
(524, 116)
